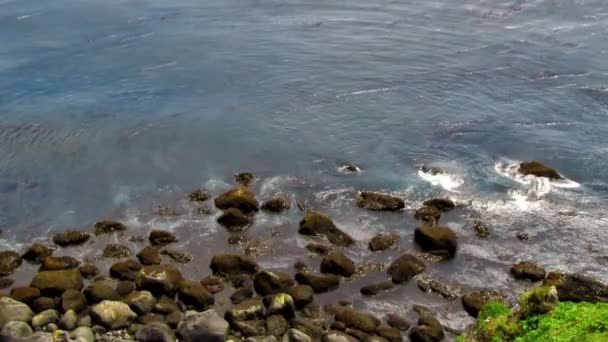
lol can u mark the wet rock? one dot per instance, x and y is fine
(318, 281)
(158, 279)
(36, 252)
(405, 268)
(71, 238)
(112, 314)
(234, 220)
(249, 328)
(207, 326)
(165, 305)
(276, 325)
(443, 204)
(436, 240)
(577, 287)
(474, 301)
(523, 236)
(5, 283)
(155, 332)
(294, 335)
(526, 270)
(204, 210)
(277, 204)
(302, 295)
(199, 195)
(88, 270)
(125, 270)
(379, 201)
(177, 256)
(232, 265)
(12, 310)
(161, 238)
(51, 263)
(240, 198)
(261, 339)
(141, 302)
(266, 282)
(100, 291)
(107, 227)
(337, 263)
(125, 287)
(45, 317)
(244, 178)
(383, 241)
(83, 334)
(194, 295)
(236, 238)
(213, 284)
(397, 322)
(173, 319)
(320, 248)
(428, 330)
(280, 304)
(301, 266)
(377, 288)
(257, 247)
(428, 215)
(57, 282)
(390, 334)
(73, 300)
(538, 169)
(116, 251)
(69, 320)
(539, 300)
(240, 295)
(316, 224)
(9, 262)
(15, 331)
(44, 303)
(25, 294)
(429, 285)
(481, 229)
(250, 309)
(308, 327)
(338, 336)
(39, 336)
(357, 320)
(150, 255)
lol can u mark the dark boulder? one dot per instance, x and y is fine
(51, 263)
(379, 202)
(405, 268)
(377, 288)
(199, 195)
(443, 204)
(36, 252)
(240, 198)
(441, 288)
(107, 227)
(165, 305)
(436, 240)
(159, 279)
(277, 204)
(234, 220)
(357, 320)
(302, 295)
(428, 330)
(194, 295)
(54, 283)
(207, 326)
(383, 241)
(161, 238)
(538, 169)
(116, 251)
(155, 332)
(125, 270)
(474, 301)
(71, 238)
(318, 281)
(267, 283)
(150, 255)
(577, 288)
(337, 263)
(526, 270)
(125, 287)
(316, 224)
(9, 262)
(99, 291)
(232, 265)
(88, 270)
(428, 215)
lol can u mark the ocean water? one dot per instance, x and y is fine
(109, 109)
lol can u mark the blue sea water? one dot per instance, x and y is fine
(109, 108)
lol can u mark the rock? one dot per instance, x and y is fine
(249, 328)
(526, 270)
(250, 309)
(320, 248)
(15, 331)
(244, 178)
(85, 321)
(71, 238)
(158, 279)
(261, 339)
(337, 263)
(107, 227)
(45, 317)
(266, 282)
(318, 281)
(9, 262)
(44, 303)
(125, 270)
(89, 270)
(405, 268)
(73, 300)
(379, 202)
(39, 337)
(397, 322)
(577, 287)
(308, 327)
(234, 220)
(280, 304)
(481, 229)
(427, 330)
(240, 295)
(12, 310)
(36, 253)
(276, 325)
(199, 195)
(213, 284)
(232, 265)
(294, 335)
(474, 301)
(176, 256)
(112, 314)
(206, 326)
(161, 238)
(277, 204)
(100, 291)
(155, 332)
(377, 288)
(539, 300)
(141, 302)
(173, 319)
(165, 305)
(390, 334)
(316, 224)
(125, 287)
(150, 255)
(52, 263)
(25, 294)
(239, 198)
(302, 295)
(429, 285)
(5, 283)
(338, 336)
(116, 251)
(194, 295)
(383, 241)
(301, 266)
(83, 334)
(436, 240)
(443, 204)
(428, 215)
(56, 282)
(357, 320)
(538, 169)
(69, 320)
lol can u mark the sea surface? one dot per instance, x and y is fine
(117, 109)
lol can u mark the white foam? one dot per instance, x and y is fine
(448, 182)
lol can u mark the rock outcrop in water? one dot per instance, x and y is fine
(240, 198)
(437, 240)
(538, 169)
(317, 224)
(379, 201)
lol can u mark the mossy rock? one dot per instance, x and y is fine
(443, 204)
(428, 214)
(577, 288)
(526, 270)
(36, 252)
(233, 264)
(9, 262)
(378, 201)
(437, 240)
(51, 263)
(337, 263)
(276, 204)
(161, 238)
(319, 225)
(318, 281)
(71, 238)
(108, 227)
(56, 282)
(405, 268)
(473, 302)
(358, 320)
(240, 198)
(383, 241)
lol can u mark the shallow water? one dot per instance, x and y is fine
(108, 109)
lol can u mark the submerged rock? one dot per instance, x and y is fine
(116, 251)
(240, 198)
(12, 310)
(234, 220)
(199, 195)
(397, 322)
(379, 201)
(207, 326)
(443, 204)
(474, 301)
(538, 169)
(57, 282)
(383, 241)
(377, 288)
(318, 281)
(71, 238)
(112, 314)
(267, 283)
(51, 263)
(107, 227)
(428, 214)
(526, 270)
(9, 262)
(320, 248)
(159, 279)
(36, 252)
(161, 238)
(244, 178)
(436, 240)
(89, 270)
(430, 285)
(405, 268)
(177, 256)
(277, 204)
(577, 288)
(232, 265)
(481, 229)
(316, 224)
(337, 263)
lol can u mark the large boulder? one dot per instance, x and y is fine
(316, 224)
(474, 301)
(443, 204)
(319, 282)
(526, 270)
(194, 295)
(100, 291)
(357, 320)
(383, 241)
(233, 264)
(161, 238)
(107, 227)
(405, 268)
(56, 282)
(159, 279)
(267, 283)
(36, 252)
(277, 204)
(112, 314)
(240, 198)
(9, 262)
(44, 318)
(125, 270)
(538, 169)
(25, 294)
(437, 240)
(12, 310)
(15, 331)
(207, 326)
(51, 263)
(577, 288)
(234, 220)
(337, 263)
(71, 238)
(379, 202)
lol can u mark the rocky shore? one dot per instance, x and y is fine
(143, 299)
